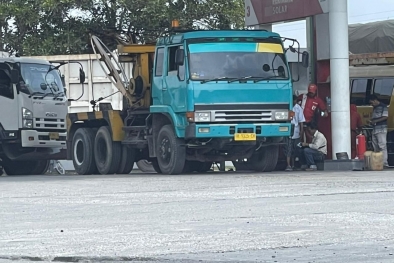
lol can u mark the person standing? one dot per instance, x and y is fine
(294, 139)
(355, 126)
(314, 151)
(379, 122)
(309, 103)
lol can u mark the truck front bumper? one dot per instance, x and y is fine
(196, 131)
(38, 139)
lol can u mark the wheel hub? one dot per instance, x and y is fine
(165, 150)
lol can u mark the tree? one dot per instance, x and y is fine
(53, 27)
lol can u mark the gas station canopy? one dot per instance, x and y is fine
(259, 12)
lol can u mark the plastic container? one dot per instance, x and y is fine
(377, 161)
(342, 156)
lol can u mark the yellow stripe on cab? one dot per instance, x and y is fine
(269, 48)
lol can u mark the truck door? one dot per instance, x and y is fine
(157, 84)
(174, 86)
(8, 104)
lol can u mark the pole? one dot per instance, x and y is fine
(339, 68)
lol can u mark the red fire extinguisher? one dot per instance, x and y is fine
(361, 146)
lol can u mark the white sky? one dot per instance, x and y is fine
(359, 11)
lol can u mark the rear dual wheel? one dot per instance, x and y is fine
(82, 151)
(95, 152)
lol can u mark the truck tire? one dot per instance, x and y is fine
(41, 167)
(127, 160)
(188, 167)
(38, 167)
(107, 153)
(241, 165)
(196, 166)
(156, 167)
(266, 159)
(169, 151)
(82, 151)
(203, 167)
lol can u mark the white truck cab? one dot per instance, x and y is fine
(33, 107)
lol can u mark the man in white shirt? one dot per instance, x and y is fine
(314, 151)
(294, 139)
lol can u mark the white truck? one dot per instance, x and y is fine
(33, 107)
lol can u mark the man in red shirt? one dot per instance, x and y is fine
(309, 103)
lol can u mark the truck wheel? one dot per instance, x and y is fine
(127, 160)
(24, 167)
(241, 165)
(196, 166)
(169, 151)
(188, 167)
(156, 167)
(82, 151)
(41, 167)
(204, 167)
(107, 153)
(266, 159)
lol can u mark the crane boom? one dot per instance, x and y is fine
(116, 73)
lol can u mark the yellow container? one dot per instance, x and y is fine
(377, 161)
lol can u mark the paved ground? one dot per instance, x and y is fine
(233, 217)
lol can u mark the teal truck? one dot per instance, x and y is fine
(195, 98)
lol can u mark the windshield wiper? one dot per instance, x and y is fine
(61, 94)
(42, 94)
(243, 78)
(37, 93)
(268, 78)
(255, 79)
(215, 79)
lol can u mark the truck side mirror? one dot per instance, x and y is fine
(179, 57)
(81, 76)
(14, 76)
(305, 59)
(63, 80)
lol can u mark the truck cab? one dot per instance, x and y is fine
(33, 120)
(220, 96)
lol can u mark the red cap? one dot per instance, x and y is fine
(312, 88)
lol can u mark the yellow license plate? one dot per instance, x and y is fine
(245, 137)
(53, 135)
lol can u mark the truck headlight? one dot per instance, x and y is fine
(27, 118)
(202, 116)
(27, 114)
(28, 124)
(281, 115)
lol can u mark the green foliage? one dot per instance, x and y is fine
(54, 27)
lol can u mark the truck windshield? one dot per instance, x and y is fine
(237, 61)
(36, 79)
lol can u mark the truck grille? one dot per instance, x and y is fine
(242, 115)
(238, 113)
(49, 123)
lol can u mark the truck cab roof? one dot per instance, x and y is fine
(180, 37)
(23, 60)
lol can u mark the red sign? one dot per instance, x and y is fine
(271, 11)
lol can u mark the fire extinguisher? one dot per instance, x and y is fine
(361, 146)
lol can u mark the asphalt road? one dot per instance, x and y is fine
(232, 217)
